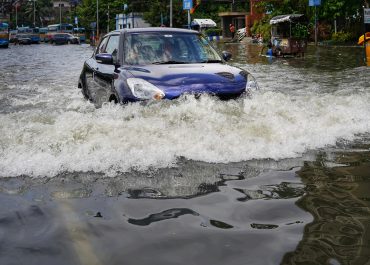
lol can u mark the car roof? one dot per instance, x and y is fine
(155, 29)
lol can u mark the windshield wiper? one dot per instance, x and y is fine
(169, 62)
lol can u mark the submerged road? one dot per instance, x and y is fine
(281, 178)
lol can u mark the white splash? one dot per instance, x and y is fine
(69, 134)
(47, 128)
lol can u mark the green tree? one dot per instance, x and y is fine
(86, 12)
(346, 13)
(40, 10)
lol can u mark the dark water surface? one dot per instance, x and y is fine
(283, 178)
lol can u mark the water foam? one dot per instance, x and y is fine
(71, 135)
(47, 128)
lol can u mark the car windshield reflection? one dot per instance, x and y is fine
(168, 48)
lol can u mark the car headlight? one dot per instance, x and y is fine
(251, 83)
(143, 89)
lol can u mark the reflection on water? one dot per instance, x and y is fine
(188, 179)
(339, 200)
(228, 204)
(263, 226)
(282, 190)
(328, 58)
(168, 214)
(176, 213)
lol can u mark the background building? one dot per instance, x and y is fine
(131, 20)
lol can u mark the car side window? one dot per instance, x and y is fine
(101, 48)
(112, 45)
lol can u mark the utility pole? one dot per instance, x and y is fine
(60, 16)
(170, 13)
(315, 3)
(125, 6)
(132, 16)
(34, 13)
(189, 19)
(16, 14)
(97, 19)
(315, 27)
(108, 19)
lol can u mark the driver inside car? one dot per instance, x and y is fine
(141, 54)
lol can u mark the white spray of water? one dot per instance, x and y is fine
(47, 128)
(52, 135)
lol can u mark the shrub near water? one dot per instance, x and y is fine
(300, 31)
(342, 36)
(262, 27)
(213, 32)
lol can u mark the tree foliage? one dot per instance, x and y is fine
(346, 13)
(87, 10)
(28, 11)
(40, 10)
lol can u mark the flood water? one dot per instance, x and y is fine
(282, 178)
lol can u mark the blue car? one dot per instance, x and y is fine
(144, 64)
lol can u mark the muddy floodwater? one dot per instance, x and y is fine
(281, 178)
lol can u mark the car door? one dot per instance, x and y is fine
(104, 73)
(90, 66)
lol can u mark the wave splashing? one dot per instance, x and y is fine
(75, 137)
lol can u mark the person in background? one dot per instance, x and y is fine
(269, 49)
(232, 30)
(260, 39)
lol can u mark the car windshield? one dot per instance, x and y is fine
(167, 48)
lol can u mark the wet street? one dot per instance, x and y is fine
(281, 178)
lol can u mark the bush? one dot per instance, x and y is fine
(323, 30)
(300, 31)
(213, 32)
(263, 28)
(341, 36)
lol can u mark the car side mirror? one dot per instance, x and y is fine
(226, 55)
(104, 58)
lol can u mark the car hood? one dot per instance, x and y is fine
(177, 79)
